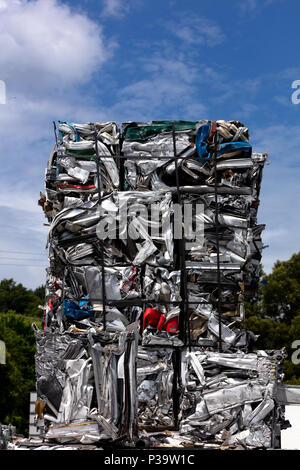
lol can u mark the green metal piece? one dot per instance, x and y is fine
(143, 132)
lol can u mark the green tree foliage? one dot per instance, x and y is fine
(281, 294)
(18, 298)
(276, 316)
(19, 309)
(18, 374)
(271, 334)
(40, 292)
(292, 373)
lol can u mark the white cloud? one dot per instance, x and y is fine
(167, 89)
(30, 118)
(197, 30)
(115, 8)
(248, 5)
(5, 3)
(19, 199)
(154, 97)
(252, 5)
(47, 52)
(282, 141)
(44, 43)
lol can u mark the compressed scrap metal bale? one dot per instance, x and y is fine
(230, 398)
(155, 375)
(149, 148)
(73, 168)
(85, 362)
(119, 274)
(86, 383)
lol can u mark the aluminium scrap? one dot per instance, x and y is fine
(155, 388)
(86, 350)
(85, 383)
(231, 398)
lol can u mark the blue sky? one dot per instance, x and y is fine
(143, 60)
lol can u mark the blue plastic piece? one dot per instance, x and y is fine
(76, 312)
(72, 127)
(201, 142)
(245, 147)
(201, 145)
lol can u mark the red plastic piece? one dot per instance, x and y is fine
(172, 325)
(151, 317)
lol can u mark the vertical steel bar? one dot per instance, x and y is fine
(183, 279)
(101, 251)
(54, 127)
(217, 239)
